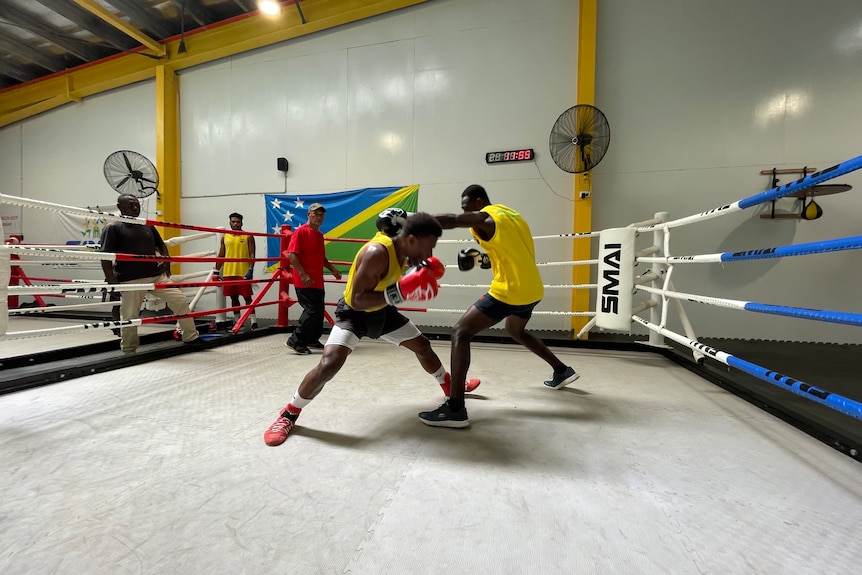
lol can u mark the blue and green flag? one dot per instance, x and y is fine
(351, 214)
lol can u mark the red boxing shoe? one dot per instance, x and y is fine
(277, 432)
(469, 385)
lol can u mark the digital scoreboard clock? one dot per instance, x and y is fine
(524, 155)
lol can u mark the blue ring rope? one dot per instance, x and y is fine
(836, 245)
(834, 401)
(842, 317)
(837, 402)
(802, 183)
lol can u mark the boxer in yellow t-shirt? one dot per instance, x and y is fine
(515, 290)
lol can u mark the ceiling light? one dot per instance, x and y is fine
(269, 7)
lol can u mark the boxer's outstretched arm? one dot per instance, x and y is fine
(479, 221)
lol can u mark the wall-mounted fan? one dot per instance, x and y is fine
(580, 139)
(131, 173)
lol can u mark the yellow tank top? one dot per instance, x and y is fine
(235, 246)
(392, 276)
(513, 258)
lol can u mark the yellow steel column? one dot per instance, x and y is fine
(583, 219)
(168, 149)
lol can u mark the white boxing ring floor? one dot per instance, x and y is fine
(639, 467)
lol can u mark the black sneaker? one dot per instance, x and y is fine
(445, 417)
(561, 380)
(298, 347)
(316, 345)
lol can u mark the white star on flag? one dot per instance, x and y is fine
(276, 204)
(288, 217)
(299, 204)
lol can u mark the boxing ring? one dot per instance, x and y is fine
(639, 467)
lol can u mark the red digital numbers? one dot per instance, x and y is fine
(510, 156)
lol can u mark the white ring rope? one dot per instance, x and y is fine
(54, 207)
(549, 237)
(549, 313)
(73, 328)
(62, 253)
(546, 286)
(551, 264)
(53, 308)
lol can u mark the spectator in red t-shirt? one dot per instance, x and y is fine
(308, 257)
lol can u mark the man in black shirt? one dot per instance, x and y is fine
(132, 238)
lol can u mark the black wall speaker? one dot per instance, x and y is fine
(282, 165)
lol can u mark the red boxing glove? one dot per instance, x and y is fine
(417, 284)
(436, 266)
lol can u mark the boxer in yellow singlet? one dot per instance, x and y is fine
(515, 290)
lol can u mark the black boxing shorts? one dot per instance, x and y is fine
(371, 324)
(498, 311)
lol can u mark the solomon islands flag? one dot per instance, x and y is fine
(351, 214)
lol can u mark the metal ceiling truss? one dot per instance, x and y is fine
(87, 21)
(97, 10)
(196, 11)
(82, 49)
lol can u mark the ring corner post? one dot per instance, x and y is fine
(616, 279)
(656, 312)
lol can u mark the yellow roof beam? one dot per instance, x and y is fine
(239, 36)
(121, 25)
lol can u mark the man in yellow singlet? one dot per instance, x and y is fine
(515, 290)
(237, 246)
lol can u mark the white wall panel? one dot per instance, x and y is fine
(380, 114)
(10, 160)
(315, 135)
(449, 97)
(258, 109)
(10, 178)
(206, 130)
(390, 27)
(443, 17)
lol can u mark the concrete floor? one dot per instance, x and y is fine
(639, 467)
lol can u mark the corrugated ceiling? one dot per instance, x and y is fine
(42, 37)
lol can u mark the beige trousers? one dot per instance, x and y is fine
(130, 308)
